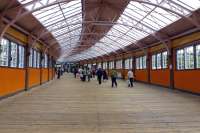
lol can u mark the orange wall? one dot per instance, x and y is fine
(160, 77)
(50, 73)
(187, 80)
(34, 76)
(125, 74)
(11, 80)
(44, 75)
(141, 75)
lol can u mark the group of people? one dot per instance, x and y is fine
(59, 71)
(86, 74)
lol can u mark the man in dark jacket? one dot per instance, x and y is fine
(99, 75)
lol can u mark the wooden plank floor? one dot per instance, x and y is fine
(71, 106)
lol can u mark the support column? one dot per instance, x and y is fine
(171, 67)
(48, 67)
(41, 59)
(148, 54)
(26, 61)
(123, 67)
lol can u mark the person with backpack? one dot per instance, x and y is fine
(99, 75)
(114, 78)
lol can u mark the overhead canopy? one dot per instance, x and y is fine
(91, 28)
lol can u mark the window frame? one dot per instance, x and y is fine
(9, 56)
(8, 52)
(194, 44)
(161, 60)
(140, 61)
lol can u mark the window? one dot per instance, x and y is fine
(137, 63)
(153, 61)
(31, 58)
(105, 65)
(198, 56)
(131, 63)
(45, 61)
(111, 65)
(189, 57)
(144, 60)
(4, 50)
(158, 61)
(141, 62)
(34, 59)
(38, 59)
(185, 58)
(13, 62)
(180, 59)
(164, 59)
(99, 65)
(127, 64)
(21, 57)
(119, 64)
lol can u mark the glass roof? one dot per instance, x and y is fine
(63, 19)
(139, 19)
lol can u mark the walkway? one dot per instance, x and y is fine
(70, 106)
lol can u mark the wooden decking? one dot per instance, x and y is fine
(71, 106)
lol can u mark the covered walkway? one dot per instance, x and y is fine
(71, 106)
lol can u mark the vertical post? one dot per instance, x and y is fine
(148, 54)
(26, 62)
(48, 66)
(123, 67)
(171, 67)
(41, 60)
(133, 64)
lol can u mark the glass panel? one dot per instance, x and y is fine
(13, 62)
(198, 56)
(105, 65)
(158, 61)
(119, 64)
(189, 57)
(144, 59)
(46, 61)
(164, 59)
(31, 58)
(38, 59)
(34, 59)
(127, 64)
(131, 63)
(4, 50)
(153, 62)
(21, 57)
(137, 63)
(141, 62)
(180, 59)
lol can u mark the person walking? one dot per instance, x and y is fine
(114, 78)
(130, 78)
(84, 74)
(105, 76)
(88, 72)
(58, 73)
(75, 72)
(99, 75)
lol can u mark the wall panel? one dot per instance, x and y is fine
(44, 75)
(141, 75)
(34, 77)
(11, 80)
(160, 77)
